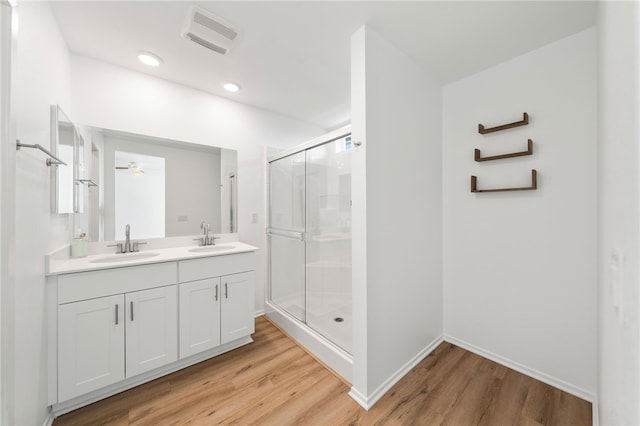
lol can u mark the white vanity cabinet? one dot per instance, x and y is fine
(199, 316)
(237, 306)
(114, 328)
(105, 339)
(90, 345)
(216, 301)
(152, 329)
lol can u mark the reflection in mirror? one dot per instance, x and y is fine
(161, 187)
(62, 144)
(80, 169)
(139, 174)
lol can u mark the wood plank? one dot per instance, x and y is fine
(273, 381)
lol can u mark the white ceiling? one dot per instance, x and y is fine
(293, 57)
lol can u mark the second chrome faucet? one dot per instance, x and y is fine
(206, 239)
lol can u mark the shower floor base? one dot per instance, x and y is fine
(329, 353)
(326, 313)
(336, 324)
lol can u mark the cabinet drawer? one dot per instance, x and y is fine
(89, 285)
(215, 266)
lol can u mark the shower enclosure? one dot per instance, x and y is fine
(310, 242)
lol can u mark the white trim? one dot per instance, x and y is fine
(359, 398)
(334, 357)
(91, 397)
(8, 16)
(258, 313)
(545, 378)
(595, 420)
(48, 421)
(367, 402)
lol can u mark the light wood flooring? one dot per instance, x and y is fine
(274, 382)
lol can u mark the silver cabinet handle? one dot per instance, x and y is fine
(131, 311)
(226, 291)
(216, 292)
(117, 314)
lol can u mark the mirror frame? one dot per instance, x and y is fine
(56, 184)
(228, 211)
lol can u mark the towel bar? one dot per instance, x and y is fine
(50, 161)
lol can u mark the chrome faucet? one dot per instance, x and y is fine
(205, 229)
(206, 240)
(127, 241)
(127, 246)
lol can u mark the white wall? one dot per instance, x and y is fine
(520, 267)
(397, 213)
(42, 78)
(618, 185)
(111, 97)
(7, 213)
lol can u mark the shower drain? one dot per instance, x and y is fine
(338, 319)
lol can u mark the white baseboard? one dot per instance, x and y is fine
(545, 378)
(102, 393)
(595, 419)
(359, 398)
(259, 313)
(369, 401)
(48, 421)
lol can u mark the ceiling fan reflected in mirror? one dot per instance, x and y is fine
(133, 167)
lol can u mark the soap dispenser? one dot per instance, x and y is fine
(80, 244)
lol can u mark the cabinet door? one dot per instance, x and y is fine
(238, 306)
(199, 316)
(152, 329)
(90, 345)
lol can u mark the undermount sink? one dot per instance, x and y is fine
(209, 249)
(124, 257)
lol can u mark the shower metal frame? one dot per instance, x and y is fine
(327, 138)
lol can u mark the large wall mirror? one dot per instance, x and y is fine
(160, 187)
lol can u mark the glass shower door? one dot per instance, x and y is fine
(328, 241)
(286, 234)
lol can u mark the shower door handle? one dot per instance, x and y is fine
(294, 235)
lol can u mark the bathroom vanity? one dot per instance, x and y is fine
(116, 321)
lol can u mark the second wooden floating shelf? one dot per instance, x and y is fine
(534, 185)
(529, 151)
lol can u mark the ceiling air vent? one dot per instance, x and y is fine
(204, 43)
(209, 31)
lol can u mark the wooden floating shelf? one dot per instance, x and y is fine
(529, 151)
(534, 185)
(523, 122)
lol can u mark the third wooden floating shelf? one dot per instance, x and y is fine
(534, 185)
(529, 151)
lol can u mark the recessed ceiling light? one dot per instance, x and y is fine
(231, 87)
(149, 59)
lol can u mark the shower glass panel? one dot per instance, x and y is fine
(286, 234)
(310, 238)
(328, 241)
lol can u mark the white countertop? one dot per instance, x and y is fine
(56, 265)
